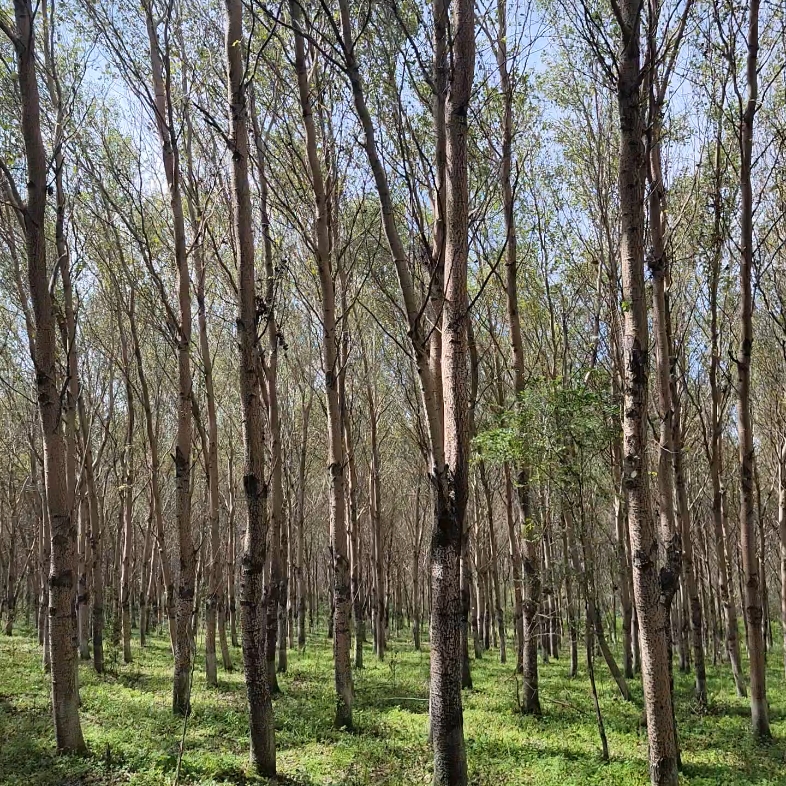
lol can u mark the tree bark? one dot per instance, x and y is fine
(301, 524)
(277, 589)
(163, 108)
(260, 706)
(330, 360)
(155, 487)
(446, 715)
(60, 503)
(651, 612)
(127, 498)
(760, 722)
(214, 602)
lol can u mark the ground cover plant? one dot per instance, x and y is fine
(133, 738)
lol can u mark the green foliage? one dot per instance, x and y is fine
(133, 737)
(556, 428)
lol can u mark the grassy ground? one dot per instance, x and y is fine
(133, 737)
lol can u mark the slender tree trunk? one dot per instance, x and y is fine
(515, 560)
(260, 706)
(647, 590)
(782, 539)
(214, 603)
(445, 711)
(570, 590)
(494, 566)
(376, 529)
(688, 561)
(623, 567)
(277, 588)
(750, 564)
(301, 526)
(126, 514)
(231, 556)
(330, 360)
(354, 525)
(446, 715)
(60, 503)
(83, 588)
(155, 488)
(183, 651)
(531, 568)
(145, 584)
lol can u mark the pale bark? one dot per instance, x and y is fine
(275, 591)
(376, 526)
(688, 561)
(750, 564)
(445, 710)
(262, 732)
(782, 539)
(231, 555)
(163, 110)
(644, 544)
(127, 496)
(330, 367)
(499, 616)
(354, 542)
(155, 482)
(301, 523)
(531, 584)
(446, 713)
(214, 604)
(717, 409)
(60, 503)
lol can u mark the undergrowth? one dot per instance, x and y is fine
(133, 737)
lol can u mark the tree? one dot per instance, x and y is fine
(60, 502)
(263, 748)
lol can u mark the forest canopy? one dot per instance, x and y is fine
(363, 363)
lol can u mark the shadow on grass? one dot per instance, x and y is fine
(26, 760)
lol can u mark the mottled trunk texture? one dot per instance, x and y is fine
(330, 362)
(651, 612)
(260, 706)
(60, 503)
(752, 596)
(184, 601)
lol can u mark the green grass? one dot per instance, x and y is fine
(133, 737)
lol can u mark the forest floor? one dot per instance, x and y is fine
(133, 737)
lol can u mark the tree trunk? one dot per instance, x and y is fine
(214, 603)
(277, 587)
(688, 561)
(750, 564)
(60, 503)
(376, 529)
(155, 488)
(127, 495)
(515, 560)
(330, 360)
(651, 612)
(352, 501)
(782, 539)
(231, 556)
(446, 715)
(260, 706)
(301, 526)
(531, 572)
(494, 565)
(181, 685)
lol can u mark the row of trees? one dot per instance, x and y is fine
(435, 257)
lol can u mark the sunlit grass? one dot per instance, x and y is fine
(133, 737)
